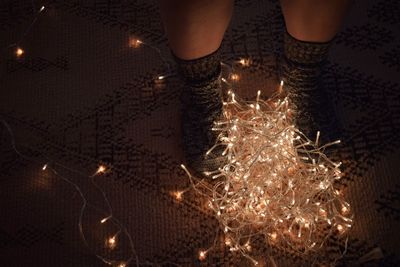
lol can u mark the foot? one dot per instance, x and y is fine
(300, 71)
(201, 107)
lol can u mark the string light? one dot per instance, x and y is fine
(280, 88)
(135, 43)
(100, 170)
(178, 195)
(273, 236)
(235, 77)
(276, 181)
(345, 210)
(202, 255)
(111, 242)
(245, 62)
(105, 219)
(19, 52)
(341, 229)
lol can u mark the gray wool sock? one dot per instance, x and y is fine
(201, 105)
(300, 71)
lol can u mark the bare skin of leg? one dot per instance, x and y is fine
(195, 28)
(313, 20)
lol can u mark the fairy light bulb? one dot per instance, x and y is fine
(202, 254)
(273, 236)
(105, 219)
(340, 228)
(178, 195)
(245, 62)
(19, 52)
(101, 169)
(280, 89)
(44, 167)
(248, 246)
(235, 77)
(344, 210)
(322, 212)
(135, 43)
(111, 242)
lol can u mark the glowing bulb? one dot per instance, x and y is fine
(44, 167)
(161, 77)
(345, 210)
(233, 97)
(178, 195)
(202, 255)
(245, 62)
(280, 88)
(19, 52)
(273, 236)
(322, 212)
(105, 219)
(340, 228)
(101, 169)
(135, 43)
(111, 242)
(234, 77)
(122, 264)
(41, 9)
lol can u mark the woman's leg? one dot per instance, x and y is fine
(310, 27)
(195, 28)
(313, 20)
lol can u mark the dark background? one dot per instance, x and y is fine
(81, 96)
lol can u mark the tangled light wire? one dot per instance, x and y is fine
(107, 217)
(276, 182)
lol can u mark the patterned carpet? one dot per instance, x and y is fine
(81, 96)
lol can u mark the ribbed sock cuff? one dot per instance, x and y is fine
(200, 71)
(303, 52)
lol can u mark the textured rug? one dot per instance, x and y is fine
(81, 96)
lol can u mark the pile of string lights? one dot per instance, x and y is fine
(275, 183)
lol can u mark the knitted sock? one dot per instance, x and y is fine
(201, 106)
(301, 68)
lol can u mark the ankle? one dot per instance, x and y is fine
(201, 71)
(304, 52)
